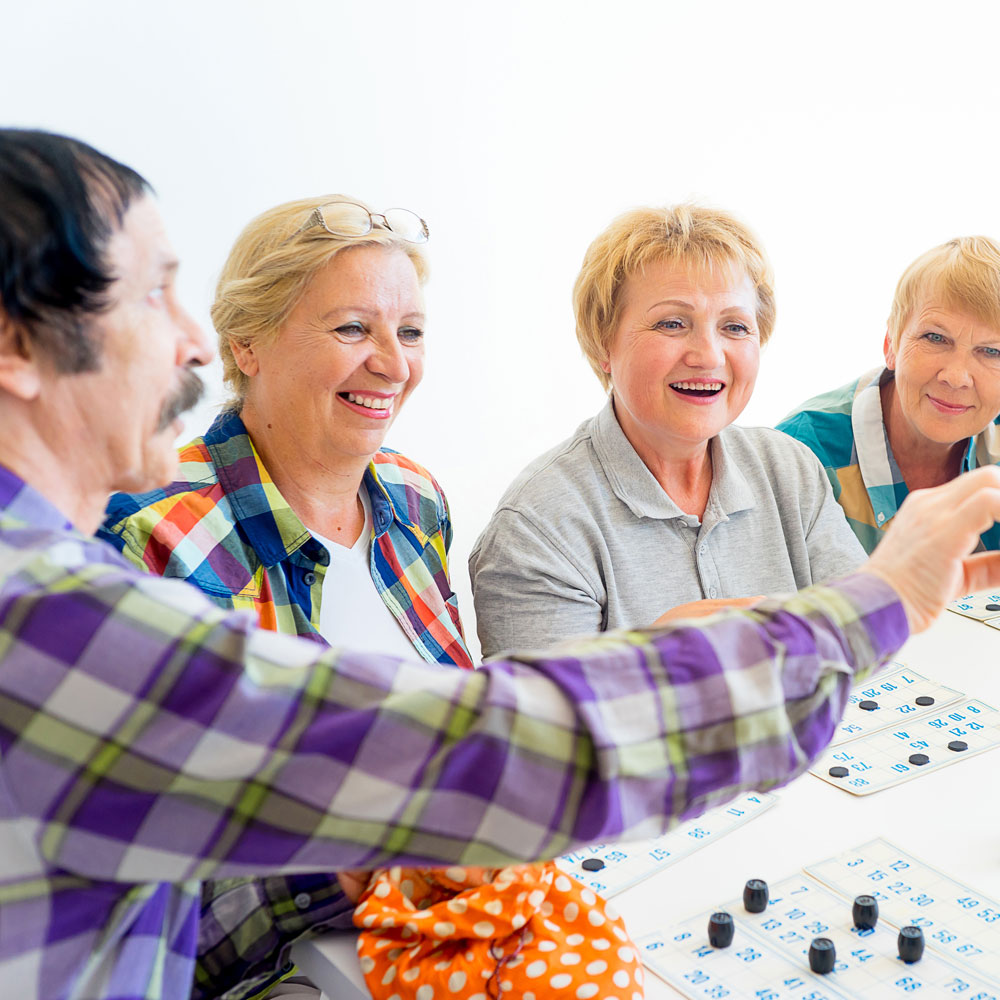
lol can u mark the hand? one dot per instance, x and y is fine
(699, 609)
(925, 554)
(353, 883)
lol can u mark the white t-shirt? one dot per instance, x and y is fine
(352, 613)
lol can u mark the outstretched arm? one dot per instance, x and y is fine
(233, 751)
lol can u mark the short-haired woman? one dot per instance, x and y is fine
(657, 502)
(929, 414)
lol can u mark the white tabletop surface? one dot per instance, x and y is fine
(949, 818)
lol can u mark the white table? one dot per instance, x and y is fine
(949, 818)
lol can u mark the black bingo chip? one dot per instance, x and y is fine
(958, 745)
(838, 772)
(865, 912)
(911, 944)
(867, 706)
(993, 607)
(925, 700)
(822, 955)
(592, 865)
(755, 895)
(919, 759)
(720, 930)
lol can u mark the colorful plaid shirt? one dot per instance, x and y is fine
(225, 527)
(845, 428)
(150, 740)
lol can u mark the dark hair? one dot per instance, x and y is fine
(60, 202)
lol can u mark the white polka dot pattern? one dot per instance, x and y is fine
(528, 932)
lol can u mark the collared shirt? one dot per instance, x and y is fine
(150, 740)
(225, 527)
(846, 429)
(586, 539)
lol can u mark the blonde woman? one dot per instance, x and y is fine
(288, 505)
(929, 413)
(658, 502)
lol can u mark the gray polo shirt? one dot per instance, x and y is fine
(586, 540)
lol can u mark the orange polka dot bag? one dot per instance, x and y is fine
(527, 932)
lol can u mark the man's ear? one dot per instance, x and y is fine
(20, 375)
(244, 356)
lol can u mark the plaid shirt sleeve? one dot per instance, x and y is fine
(177, 741)
(248, 927)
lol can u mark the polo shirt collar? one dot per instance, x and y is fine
(638, 488)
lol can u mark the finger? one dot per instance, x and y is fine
(354, 883)
(977, 513)
(981, 572)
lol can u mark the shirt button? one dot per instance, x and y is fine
(302, 900)
(310, 578)
(713, 592)
(881, 517)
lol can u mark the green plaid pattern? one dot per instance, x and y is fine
(150, 740)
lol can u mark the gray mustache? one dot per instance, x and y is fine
(188, 395)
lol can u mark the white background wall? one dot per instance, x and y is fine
(851, 136)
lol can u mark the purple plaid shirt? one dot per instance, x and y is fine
(150, 740)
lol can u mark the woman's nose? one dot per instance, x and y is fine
(704, 350)
(389, 359)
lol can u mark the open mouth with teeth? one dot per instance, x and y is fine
(701, 390)
(377, 404)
